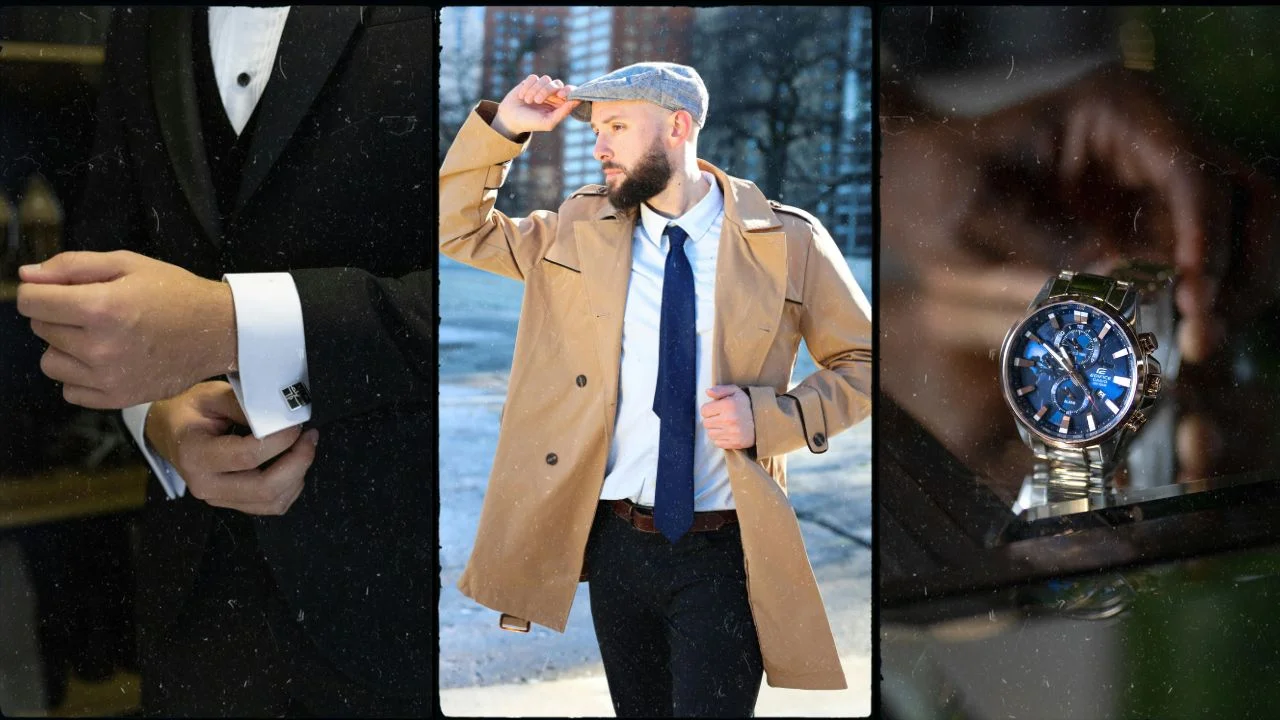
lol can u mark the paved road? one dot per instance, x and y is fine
(486, 671)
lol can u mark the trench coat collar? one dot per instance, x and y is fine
(751, 282)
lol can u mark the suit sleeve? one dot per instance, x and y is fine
(836, 327)
(471, 230)
(370, 341)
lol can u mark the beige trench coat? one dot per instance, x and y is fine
(772, 288)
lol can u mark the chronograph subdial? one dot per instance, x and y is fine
(1079, 342)
(1069, 398)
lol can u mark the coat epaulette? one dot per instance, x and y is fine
(590, 190)
(803, 215)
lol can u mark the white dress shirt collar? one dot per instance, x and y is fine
(243, 42)
(696, 222)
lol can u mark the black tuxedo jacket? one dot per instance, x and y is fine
(338, 189)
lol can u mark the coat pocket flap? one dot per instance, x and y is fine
(564, 254)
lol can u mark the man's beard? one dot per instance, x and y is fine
(648, 178)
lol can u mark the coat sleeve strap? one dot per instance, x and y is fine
(513, 623)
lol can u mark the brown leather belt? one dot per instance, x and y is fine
(641, 518)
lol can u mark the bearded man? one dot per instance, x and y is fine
(648, 411)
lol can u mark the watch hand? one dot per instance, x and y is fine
(1065, 362)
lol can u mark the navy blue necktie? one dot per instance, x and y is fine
(673, 398)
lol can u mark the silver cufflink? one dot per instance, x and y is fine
(296, 395)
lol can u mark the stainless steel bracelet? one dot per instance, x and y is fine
(1119, 295)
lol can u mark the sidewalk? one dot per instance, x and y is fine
(589, 697)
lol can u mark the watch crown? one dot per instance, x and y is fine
(1153, 385)
(1136, 422)
(1147, 341)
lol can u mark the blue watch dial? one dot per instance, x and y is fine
(1070, 371)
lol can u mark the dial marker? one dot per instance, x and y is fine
(1082, 317)
(1111, 406)
(1023, 362)
(1024, 390)
(1040, 413)
(1065, 424)
(1106, 328)
(1122, 381)
(1120, 353)
(1092, 425)
(1053, 320)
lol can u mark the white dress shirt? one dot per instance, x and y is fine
(242, 44)
(272, 355)
(632, 469)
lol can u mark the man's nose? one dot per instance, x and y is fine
(601, 149)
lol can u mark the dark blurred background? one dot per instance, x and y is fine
(70, 479)
(1163, 609)
(1217, 66)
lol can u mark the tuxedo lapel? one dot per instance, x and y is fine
(173, 87)
(313, 40)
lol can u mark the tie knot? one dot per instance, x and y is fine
(677, 235)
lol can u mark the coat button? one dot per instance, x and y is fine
(552, 459)
(582, 381)
(819, 439)
(242, 79)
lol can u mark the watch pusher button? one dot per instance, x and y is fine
(1147, 342)
(1136, 422)
(1153, 385)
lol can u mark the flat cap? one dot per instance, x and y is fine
(672, 86)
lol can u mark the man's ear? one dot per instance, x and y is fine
(681, 126)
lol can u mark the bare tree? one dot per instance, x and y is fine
(776, 77)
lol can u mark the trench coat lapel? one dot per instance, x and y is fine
(173, 86)
(751, 282)
(604, 250)
(313, 40)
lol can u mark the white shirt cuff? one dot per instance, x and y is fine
(135, 419)
(272, 352)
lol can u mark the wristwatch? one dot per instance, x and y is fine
(1079, 374)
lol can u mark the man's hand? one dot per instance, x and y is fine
(124, 328)
(728, 418)
(220, 468)
(537, 104)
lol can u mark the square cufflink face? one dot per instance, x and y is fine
(296, 396)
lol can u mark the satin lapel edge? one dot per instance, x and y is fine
(173, 86)
(327, 28)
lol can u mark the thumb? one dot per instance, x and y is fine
(721, 391)
(76, 268)
(221, 402)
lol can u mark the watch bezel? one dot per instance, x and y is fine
(1133, 398)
